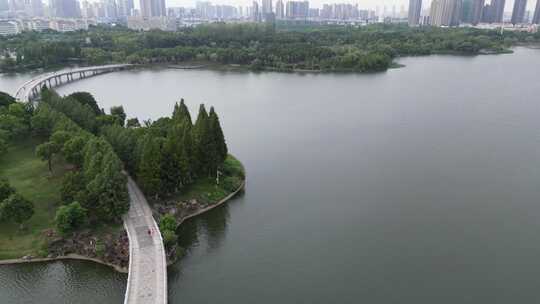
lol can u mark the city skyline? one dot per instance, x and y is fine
(366, 4)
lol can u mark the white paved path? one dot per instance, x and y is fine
(147, 279)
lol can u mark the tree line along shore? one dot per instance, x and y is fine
(254, 46)
(63, 166)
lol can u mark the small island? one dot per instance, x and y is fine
(64, 164)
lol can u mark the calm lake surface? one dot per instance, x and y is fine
(418, 185)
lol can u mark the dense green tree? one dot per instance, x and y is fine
(218, 138)
(73, 186)
(60, 138)
(17, 209)
(43, 121)
(3, 147)
(70, 218)
(14, 122)
(120, 114)
(73, 150)
(86, 98)
(203, 142)
(124, 142)
(181, 113)
(5, 189)
(149, 171)
(133, 123)
(97, 182)
(6, 99)
(109, 187)
(107, 120)
(46, 152)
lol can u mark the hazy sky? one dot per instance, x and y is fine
(318, 3)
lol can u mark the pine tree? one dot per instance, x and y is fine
(218, 137)
(170, 165)
(187, 159)
(181, 113)
(202, 142)
(149, 171)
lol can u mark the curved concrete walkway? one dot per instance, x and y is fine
(147, 278)
(31, 88)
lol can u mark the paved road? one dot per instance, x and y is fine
(147, 280)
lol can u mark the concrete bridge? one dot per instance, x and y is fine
(147, 278)
(31, 89)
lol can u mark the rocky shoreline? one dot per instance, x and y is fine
(110, 250)
(184, 210)
(113, 250)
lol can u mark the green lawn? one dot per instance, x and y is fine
(206, 188)
(32, 179)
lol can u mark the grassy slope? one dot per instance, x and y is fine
(206, 187)
(30, 176)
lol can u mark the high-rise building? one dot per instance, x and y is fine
(446, 12)
(536, 17)
(297, 9)
(487, 14)
(466, 11)
(125, 8)
(255, 15)
(266, 7)
(153, 8)
(519, 11)
(477, 11)
(280, 9)
(415, 8)
(33, 8)
(497, 10)
(65, 8)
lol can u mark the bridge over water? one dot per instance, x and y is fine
(147, 278)
(31, 89)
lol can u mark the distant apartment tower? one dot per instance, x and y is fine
(65, 8)
(415, 8)
(297, 9)
(497, 10)
(153, 8)
(266, 7)
(125, 8)
(33, 8)
(536, 18)
(446, 12)
(255, 11)
(280, 9)
(519, 11)
(477, 11)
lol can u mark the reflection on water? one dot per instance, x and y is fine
(73, 282)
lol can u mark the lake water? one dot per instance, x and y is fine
(417, 185)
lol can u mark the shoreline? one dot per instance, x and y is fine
(73, 256)
(208, 208)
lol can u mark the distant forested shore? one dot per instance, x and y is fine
(257, 47)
